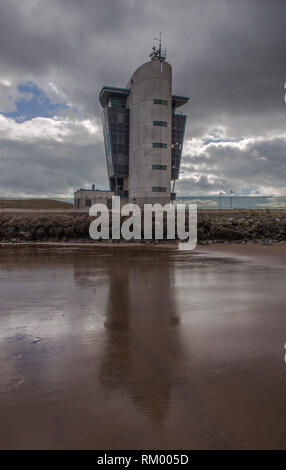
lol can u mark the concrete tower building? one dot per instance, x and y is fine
(143, 134)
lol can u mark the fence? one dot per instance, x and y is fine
(203, 202)
(234, 202)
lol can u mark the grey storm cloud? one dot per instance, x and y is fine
(49, 171)
(227, 56)
(240, 165)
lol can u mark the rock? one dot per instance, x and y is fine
(202, 234)
(40, 233)
(69, 232)
(260, 227)
(23, 235)
(55, 232)
(243, 222)
(221, 233)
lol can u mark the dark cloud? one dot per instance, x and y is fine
(54, 172)
(257, 165)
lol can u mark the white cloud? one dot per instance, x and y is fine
(53, 92)
(57, 129)
(10, 95)
(250, 165)
(5, 82)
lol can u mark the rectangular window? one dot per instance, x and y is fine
(159, 145)
(159, 167)
(160, 123)
(164, 102)
(88, 202)
(159, 189)
(117, 102)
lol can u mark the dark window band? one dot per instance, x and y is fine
(159, 167)
(159, 189)
(164, 102)
(159, 145)
(160, 123)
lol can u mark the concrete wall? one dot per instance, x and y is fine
(152, 80)
(85, 198)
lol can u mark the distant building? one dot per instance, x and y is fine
(85, 198)
(143, 135)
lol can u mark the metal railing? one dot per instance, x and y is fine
(203, 202)
(234, 202)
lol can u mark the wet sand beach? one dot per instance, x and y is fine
(136, 347)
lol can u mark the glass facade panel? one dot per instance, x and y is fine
(117, 102)
(178, 132)
(115, 120)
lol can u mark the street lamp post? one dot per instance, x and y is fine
(230, 198)
(220, 200)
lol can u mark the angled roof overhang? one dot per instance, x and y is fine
(108, 91)
(179, 100)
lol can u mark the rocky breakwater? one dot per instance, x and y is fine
(263, 226)
(16, 228)
(253, 226)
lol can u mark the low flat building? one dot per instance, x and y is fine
(85, 198)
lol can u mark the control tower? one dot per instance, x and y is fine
(143, 135)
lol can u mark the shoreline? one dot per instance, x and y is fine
(252, 227)
(176, 244)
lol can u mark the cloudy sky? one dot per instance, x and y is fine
(228, 56)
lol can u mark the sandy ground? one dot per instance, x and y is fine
(142, 347)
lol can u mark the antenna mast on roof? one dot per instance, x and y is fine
(157, 53)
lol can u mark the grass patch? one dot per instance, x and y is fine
(34, 204)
